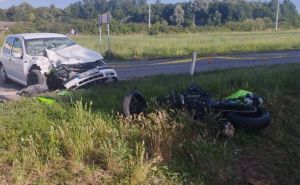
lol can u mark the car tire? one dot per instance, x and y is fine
(3, 74)
(54, 82)
(134, 103)
(36, 77)
(257, 121)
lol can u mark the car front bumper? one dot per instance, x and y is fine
(93, 75)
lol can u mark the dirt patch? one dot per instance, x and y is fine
(252, 172)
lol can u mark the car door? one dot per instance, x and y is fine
(6, 55)
(17, 69)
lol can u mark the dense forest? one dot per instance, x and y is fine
(131, 16)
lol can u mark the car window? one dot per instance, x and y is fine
(8, 45)
(35, 47)
(17, 47)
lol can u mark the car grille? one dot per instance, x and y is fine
(82, 67)
(91, 78)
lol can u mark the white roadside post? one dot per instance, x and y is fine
(193, 65)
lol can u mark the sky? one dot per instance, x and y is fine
(64, 3)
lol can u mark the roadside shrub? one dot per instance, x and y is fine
(118, 28)
(249, 24)
(23, 28)
(40, 26)
(83, 26)
(154, 30)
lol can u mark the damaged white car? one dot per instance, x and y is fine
(51, 59)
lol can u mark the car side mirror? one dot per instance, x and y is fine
(16, 55)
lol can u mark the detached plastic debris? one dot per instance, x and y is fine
(34, 90)
(47, 100)
(239, 94)
(51, 100)
(247, 97)
(39, 91)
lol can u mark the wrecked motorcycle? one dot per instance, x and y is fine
(242, 109)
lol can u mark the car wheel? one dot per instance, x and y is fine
(3, 74)
(54, 82)
(36, 77)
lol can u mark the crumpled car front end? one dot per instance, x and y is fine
(102, 74)
(72, 68)
(74, 76)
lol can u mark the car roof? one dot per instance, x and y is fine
(28, 36)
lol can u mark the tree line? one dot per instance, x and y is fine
(132, 15)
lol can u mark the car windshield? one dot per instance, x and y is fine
(36, 47)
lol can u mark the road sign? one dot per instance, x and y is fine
(104, 18)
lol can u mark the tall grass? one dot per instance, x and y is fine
(80, 142)
(127, 47)
(176, 45)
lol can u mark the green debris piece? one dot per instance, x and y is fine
(63, 93)
(239, 94)
(49, 101)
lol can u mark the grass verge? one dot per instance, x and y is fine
(79, 142)
(126, 47)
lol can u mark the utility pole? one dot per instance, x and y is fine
(194, 17)
(277, 15)
(149, 17)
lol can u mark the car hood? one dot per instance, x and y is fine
(78, 54)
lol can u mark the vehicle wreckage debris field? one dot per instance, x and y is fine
(126, 47)
(82, 140)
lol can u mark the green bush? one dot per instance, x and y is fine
(119, 28)
(40, 26)
(23, 28)
(250, 25)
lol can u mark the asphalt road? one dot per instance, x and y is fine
(138, 69)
